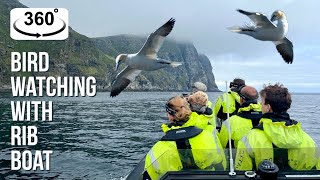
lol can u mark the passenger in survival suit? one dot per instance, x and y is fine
(220, 107)
(248, 116)
(198, 102)
(183, 146)
(198, 86)
(277, 137)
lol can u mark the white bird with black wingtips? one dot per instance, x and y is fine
(264, 30)
(146, 59)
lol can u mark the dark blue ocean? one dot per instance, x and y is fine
(104, 138)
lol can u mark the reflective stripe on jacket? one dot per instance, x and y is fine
(252, 149)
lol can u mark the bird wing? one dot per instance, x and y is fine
(285, 48)
(122, 80)
(155, 40)
(259, 19)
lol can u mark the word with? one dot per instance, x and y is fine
(19, 109)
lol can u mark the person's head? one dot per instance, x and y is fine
(236, 84)
(198, 101)
(199, 86)
(248, 93)
(178, 109)
(275, 98)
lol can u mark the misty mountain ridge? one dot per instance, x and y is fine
(79, 55)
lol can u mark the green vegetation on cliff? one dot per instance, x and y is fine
(82, 56)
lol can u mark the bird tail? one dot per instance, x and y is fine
(241, 30)
(175, 64)
(235, 29)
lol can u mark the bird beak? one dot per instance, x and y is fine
(273, 18)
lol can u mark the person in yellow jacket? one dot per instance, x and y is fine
(184, 146)
(220, 107)
(198, 102)
(199, 86)
(249, 115)
(278, 137)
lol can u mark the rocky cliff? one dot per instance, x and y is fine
(82, 56)
(196, 67)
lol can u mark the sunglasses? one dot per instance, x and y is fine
(171, 111)
(232, 85)
(243, 96)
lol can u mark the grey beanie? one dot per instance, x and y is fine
(199, 86)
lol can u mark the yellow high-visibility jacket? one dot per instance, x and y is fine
(277, 131)
(212, 117)
(201, 151)
(220, 108)
(240, 124)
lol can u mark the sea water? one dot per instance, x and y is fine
(104, 138)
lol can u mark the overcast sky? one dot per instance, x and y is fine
(205, 22)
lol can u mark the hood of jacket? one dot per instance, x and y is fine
(199, 121)
(235, 95)
(281, 130)
(251, 107)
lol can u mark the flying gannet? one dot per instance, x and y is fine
(263, 29)
(146, 59)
